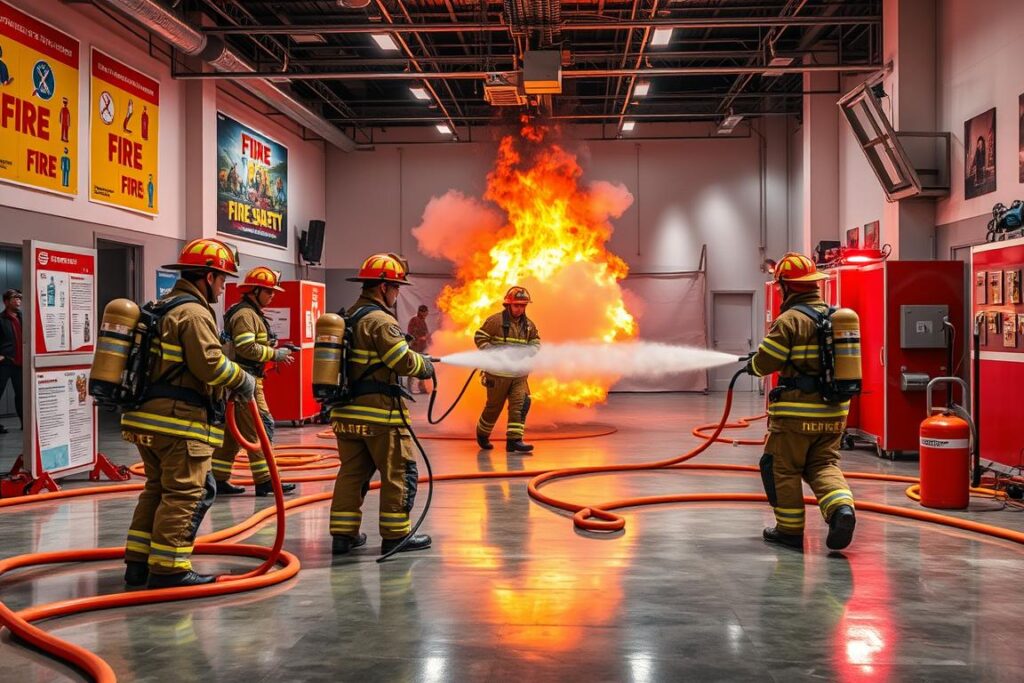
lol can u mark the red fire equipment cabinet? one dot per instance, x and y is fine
(902, 306)
(997, 361)
(292, 315)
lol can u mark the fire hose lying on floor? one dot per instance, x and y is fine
(600, 517)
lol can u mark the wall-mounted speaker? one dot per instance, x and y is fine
(311, 242)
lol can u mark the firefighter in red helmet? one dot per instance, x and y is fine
(178, 424)
(804, 432)
(370, 429)
(252, 347)
(511, 327)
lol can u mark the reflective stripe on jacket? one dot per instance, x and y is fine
(377, 338)
(188, 334)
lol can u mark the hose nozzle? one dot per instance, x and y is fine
(434, 359)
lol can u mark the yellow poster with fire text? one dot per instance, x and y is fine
(38, 103)
(124, 124)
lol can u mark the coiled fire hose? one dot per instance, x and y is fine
(20, 623)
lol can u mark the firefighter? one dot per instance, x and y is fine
(179, 424)
(804, 431)
(511, 327)
(371, 428)
(249, 333)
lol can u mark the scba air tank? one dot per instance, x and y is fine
(117, 331)
(846, 341)
(327, 356)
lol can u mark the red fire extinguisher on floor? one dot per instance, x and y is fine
(946, 442)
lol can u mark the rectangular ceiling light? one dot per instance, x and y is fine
(384, 41)
(443, 128)
(777, 63)
(628, 126)
(642, 88)
(419, 93)
(661, 37)
(732, 120)
(309, 39)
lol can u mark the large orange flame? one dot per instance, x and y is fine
(551, 240)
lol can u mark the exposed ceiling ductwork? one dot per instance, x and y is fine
(211, 49)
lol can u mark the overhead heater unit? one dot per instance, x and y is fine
(502, 89)
(542, 72)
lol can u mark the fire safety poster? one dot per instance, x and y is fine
(65, 303)
(65, 419)
(38, 103)
(124, 126)
(252, 184)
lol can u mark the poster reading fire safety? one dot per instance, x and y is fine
(124, 126)
(38, 103)
(64, 418)
(65, 305)
(252, 184)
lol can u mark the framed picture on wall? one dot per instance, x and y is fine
(853, 238)
(980, 154)
(1013, 286)
(995, 287)
(872, 239)
(981, 287)
(1009, 330)
(982, 321)
(1020, 137)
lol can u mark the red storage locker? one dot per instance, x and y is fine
(292, 314)
(996, 297)
(886, 414)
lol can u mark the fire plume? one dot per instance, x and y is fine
(549, 236)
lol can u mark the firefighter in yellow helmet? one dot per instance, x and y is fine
(371, 428)
(804, 431)
(179, 424)
(511, 327)
(252, 346)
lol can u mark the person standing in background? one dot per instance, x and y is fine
(420, 333)
(10, 350)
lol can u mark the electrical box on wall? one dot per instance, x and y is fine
(923, 327)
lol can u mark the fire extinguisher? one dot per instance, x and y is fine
(946, 442)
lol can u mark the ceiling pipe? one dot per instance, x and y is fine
(702, 23)
(580, 73)
(212, 50)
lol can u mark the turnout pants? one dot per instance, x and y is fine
(793, 456)
(515, 390)
(224, 457)
(179, 490)
(364, 449)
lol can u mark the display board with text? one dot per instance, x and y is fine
(60, 425)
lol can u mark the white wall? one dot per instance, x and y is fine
(80, 23)
(979, 67)
(861, 199)
(30, 214)
(687, 192)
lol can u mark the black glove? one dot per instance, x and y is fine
(245, 391)
(428, 369)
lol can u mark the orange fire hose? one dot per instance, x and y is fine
(597, 517)
(20, 623)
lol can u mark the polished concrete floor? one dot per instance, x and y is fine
(510, 592)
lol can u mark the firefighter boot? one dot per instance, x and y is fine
(417, 542)
(483, 441)
(135, 573)
(773, 535)
(189, 578)
(226, 488)
(340, 545)
(517, 446)
(266, 488)
(840, 528)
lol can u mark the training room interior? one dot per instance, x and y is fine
(651, 172)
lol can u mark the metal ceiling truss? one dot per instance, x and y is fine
(724, 56)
